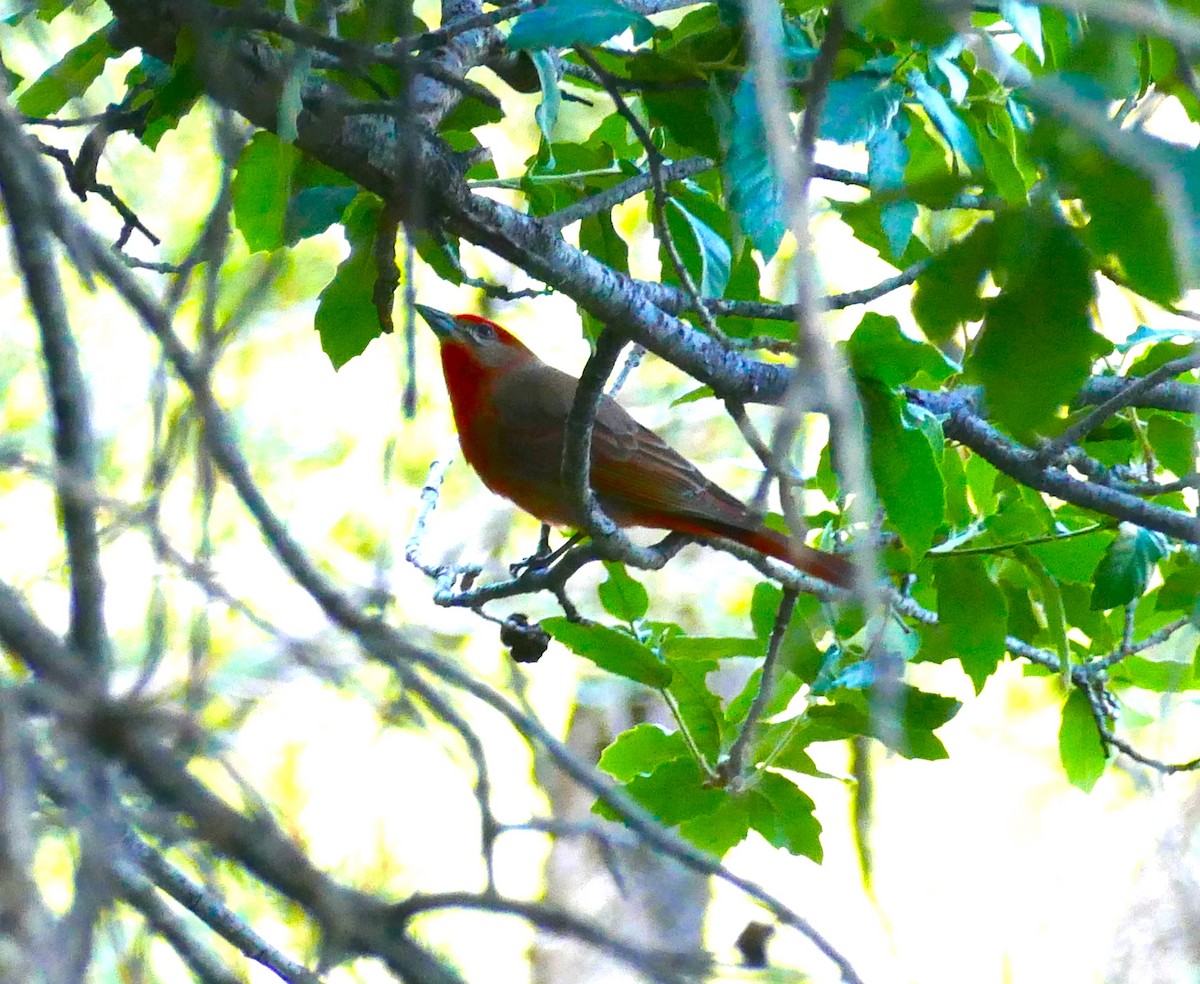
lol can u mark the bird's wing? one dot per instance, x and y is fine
(636, 474)
(634, 469)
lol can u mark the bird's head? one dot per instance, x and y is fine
(474, 339)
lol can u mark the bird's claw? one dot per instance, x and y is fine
(534, 562)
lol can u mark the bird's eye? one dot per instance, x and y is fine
(484, 332)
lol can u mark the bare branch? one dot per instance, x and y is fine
(66, 386)
(733, 769)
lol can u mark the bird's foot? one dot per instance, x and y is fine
(543, 557)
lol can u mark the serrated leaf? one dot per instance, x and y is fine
(261, 187)
(610, 650)
(1125, 569)
(784, 815)
(563, 23)
(641, 750)
(347, 319)
(904, 463)
(70, 77)
(751, 185)
(166, 92)
(621, 595)
(973, 614)
(1079, 747)
(799, 653)
(858, 106)
(674, 792)
(721, 830)
(698, 707)
(920, 714)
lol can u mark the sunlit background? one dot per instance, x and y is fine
(989, 867)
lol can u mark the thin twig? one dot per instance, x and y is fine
(733, 768)
(1126, 397)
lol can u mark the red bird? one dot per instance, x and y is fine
(511, 409)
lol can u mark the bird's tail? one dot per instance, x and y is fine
(819, 563)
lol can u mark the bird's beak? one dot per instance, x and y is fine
(443, 324)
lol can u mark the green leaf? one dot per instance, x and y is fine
(711, 252)
(346, 318)
(947, 292)
(622, 596)
(70, 77)
(691, 123)
(469, 113)
(879, 350)
(1074, 559)
(1158, 676)
(787, 685)
(904, 463)
(1037, 344)
(1000, 166)
(751, 185)
(262, 185)
(610, 650)
(924, 21)
(563, 23)
(720, 830)
(866, 221)
(1180, 590)
(974, 615)
(703, 647)
(692, 396)
(954, 474)
(856, 676)
(165, 93)
(1125, 569)
(641, 750)
(920, 713)
(1079, 746)
(1174, 443)
(699, 708)
(948, 122)
(888, 157)
(598, 237)
(1026, 20)
(859, 106)
(674, 792)
(783, 814)
(313, 210)
(799, 653)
